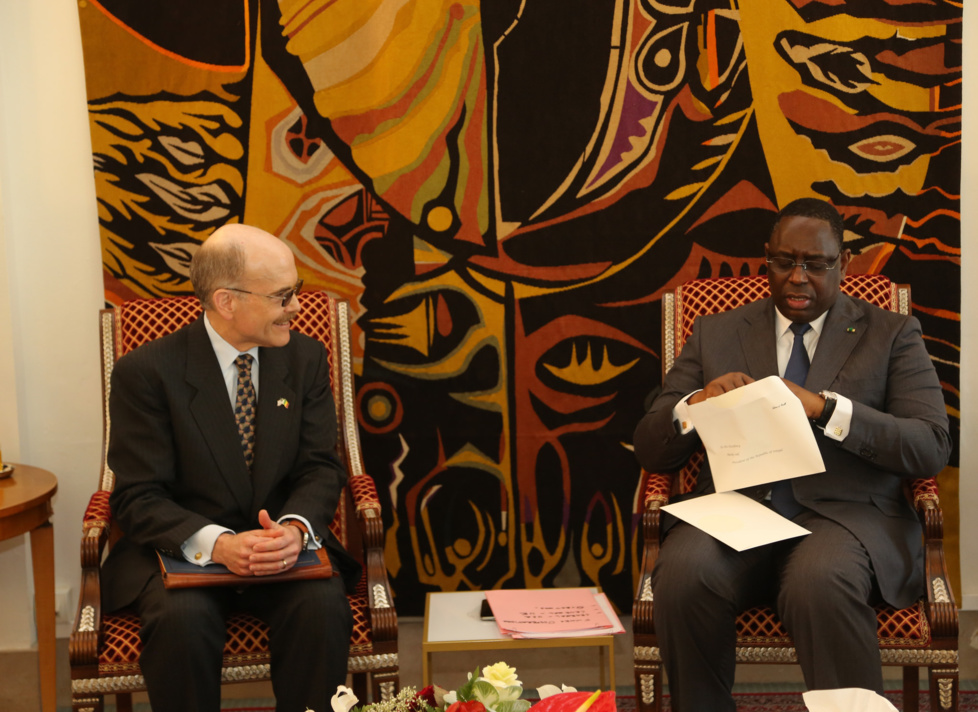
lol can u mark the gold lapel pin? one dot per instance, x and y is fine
(851, 330)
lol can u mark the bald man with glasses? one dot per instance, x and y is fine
(878, 415)
(223, 444)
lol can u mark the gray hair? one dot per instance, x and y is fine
(215, 267)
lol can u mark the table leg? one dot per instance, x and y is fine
(601, 668)
(42, 564)
(425, 669)
(611, 663)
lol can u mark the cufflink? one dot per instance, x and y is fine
(198, 556)
(838, 431)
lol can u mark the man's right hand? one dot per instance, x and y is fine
(235, 550)
(719, 386)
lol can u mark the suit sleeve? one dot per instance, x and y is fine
(141, 454)
(907, 433)
(658, 444)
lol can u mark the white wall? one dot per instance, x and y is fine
(51, 289)
(50, 286)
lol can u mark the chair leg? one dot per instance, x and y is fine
(123, 702)
(911, 688)
(648, 686)
(385, 685)
(360, 688)
(943, 689)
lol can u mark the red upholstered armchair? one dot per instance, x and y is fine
(924, 635)
(104, 648)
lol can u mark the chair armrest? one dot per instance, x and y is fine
(942, 612)
(383, 617)
(86, 630)
(656, 492)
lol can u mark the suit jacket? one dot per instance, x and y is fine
(176, 454)
(874, 357)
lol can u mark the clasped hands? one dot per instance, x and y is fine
(259, 552)
(813, 403)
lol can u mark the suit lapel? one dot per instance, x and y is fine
(757, 340)
(278, 411)
(840, 334)
(214, 416)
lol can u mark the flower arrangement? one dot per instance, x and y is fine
(497, 689)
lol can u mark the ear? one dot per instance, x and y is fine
(224, 303)
(844, 263)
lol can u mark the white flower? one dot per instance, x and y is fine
(500, 676)
(548, 690)
(450, 698)
(344, 700)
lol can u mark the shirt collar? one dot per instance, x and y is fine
(783, 323)
(225, 352)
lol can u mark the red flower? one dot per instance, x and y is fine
(473, 706)
(428, 695)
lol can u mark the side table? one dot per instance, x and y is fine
(25, 506)
(452, 624)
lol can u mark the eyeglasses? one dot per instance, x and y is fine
(785, 265)
(285, 296)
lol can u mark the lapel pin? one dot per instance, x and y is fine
(282, 402)
(851, 330)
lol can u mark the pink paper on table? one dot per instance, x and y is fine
(551, 610)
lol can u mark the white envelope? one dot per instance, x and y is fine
(756, 434)
(736, 520)
(846, 699)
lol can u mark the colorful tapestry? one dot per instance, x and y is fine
(503, 191)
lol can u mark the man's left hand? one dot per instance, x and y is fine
(278, 548)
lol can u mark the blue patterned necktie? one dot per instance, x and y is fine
(244, 407)
(782, 498)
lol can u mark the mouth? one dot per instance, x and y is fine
(797, 302)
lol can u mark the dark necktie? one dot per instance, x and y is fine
(244, 407)
(782, 498)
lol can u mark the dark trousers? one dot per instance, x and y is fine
(183, 634)
(822, 586)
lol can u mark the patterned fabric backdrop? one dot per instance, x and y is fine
(503, 191)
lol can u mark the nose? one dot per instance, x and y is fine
(798, 274)
(293, 307)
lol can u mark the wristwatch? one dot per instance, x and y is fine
(302, 528)
(831, 399)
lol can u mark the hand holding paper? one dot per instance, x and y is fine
(756, 434)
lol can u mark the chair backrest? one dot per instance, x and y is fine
(700, 297)
(324, 318)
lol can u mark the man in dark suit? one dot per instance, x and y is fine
(205, 474)
(878, 416)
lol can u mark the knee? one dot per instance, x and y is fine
(183, 614)
(684, 582)
(323, 607)
(821, 594)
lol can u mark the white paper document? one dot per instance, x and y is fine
(756, 434)
(847, 699)
(736, 520)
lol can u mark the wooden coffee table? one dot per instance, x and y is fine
(452, 624)
(25, 507)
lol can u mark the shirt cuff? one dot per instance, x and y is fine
(200, 546)
(315, 541)
(841, 421)
(680, 415)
